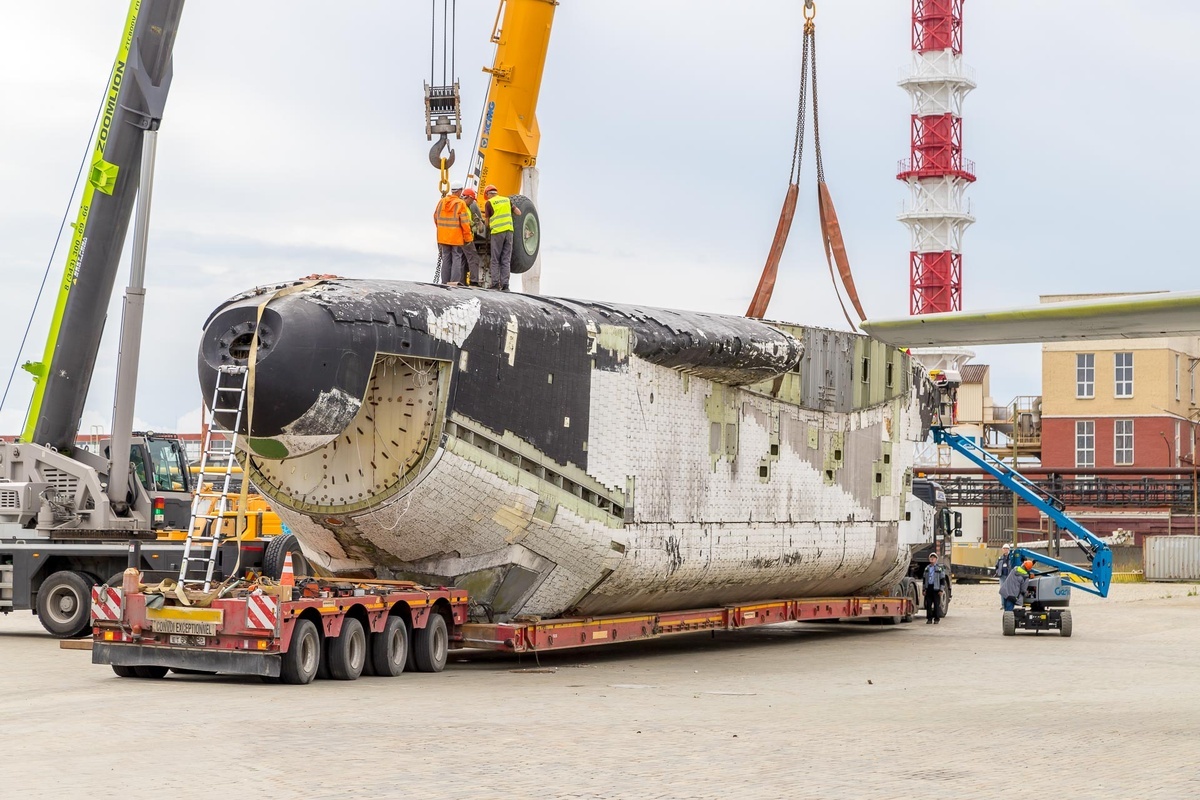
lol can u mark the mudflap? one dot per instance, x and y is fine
(1049, 619)
(227, 661)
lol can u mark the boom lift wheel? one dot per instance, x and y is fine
(1010, 623)
(431, 645)
(300, 662)
(1064, 623)
(64, 604)
(348, 652)
(389, 648)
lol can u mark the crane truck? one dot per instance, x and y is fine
(67, 515)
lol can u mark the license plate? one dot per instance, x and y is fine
(183, 626)
(196, 641)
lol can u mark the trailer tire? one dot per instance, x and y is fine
(1064, 623)
(431, 645)
(910, 592)
(1010, 623)
(123, 671)
(944, 602)
(64, 604)
(389, 648)
(348, 652)
(276, 552)
(150, 672)
(300, 662)
(527, 234)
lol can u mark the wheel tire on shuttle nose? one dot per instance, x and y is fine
(276, 552)
(527, 234)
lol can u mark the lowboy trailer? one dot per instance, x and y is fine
(342, 629)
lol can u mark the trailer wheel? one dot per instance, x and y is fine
(431, 645)
(123, 671)
(1010, 623)
(300, 662)
(389, 648)
(944, 602)
(150, 672)
(911, 594)
(64, 604)
(1064, 623)
(348, 652)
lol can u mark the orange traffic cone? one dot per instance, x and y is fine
(287, 579)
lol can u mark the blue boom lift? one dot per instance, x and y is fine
(1044, 605)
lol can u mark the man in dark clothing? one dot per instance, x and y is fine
(933, 591)
(1012, 588)
(1004, 564)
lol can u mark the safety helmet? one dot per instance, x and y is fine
(490, 188)
(1027, 564)
(469, 192)
(456, 186)
(1007, 547)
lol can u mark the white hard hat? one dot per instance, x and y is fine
(456, 186)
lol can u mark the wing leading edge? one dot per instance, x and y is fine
(1130, 317)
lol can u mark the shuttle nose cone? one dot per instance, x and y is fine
(306, 383)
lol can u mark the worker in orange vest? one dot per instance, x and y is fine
(453, 231)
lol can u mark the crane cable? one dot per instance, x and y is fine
(831, 234)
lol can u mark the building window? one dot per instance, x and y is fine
(1123, 374)
(1192, 383)
(1176, 377)
(1085, 443)
(1123, 442)
(1085, 374)
(1178, 441)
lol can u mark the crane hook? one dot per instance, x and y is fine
(435, 154)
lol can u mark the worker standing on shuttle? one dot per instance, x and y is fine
(498, 211)
(478, 234)
(453, 231)
(933, 591)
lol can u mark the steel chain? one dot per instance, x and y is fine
(810, 35)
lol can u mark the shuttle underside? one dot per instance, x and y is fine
(555, 456)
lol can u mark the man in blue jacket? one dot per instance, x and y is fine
(933, 591)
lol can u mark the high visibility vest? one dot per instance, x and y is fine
(501, 220)
(453, 221)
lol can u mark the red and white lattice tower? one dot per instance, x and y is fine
(936, 172)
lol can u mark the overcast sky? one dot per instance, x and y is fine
(293, 142)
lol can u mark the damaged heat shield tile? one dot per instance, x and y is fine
(455, 323)
(324, 420)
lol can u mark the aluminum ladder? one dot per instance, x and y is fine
(209, 508)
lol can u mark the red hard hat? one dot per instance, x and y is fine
(468, 192)
(491, 187)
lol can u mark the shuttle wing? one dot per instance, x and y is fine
(1130, 317)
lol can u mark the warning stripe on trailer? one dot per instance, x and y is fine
(261, 612)
(106, 604)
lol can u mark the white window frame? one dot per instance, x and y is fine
(1177, 357)
(1122, 386)
(1085, 376)
(1085, 443)
(1178, 443)
(1123, 443)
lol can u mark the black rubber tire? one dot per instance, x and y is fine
(1064, 623)
(910, 591)
(348, 652)
(150, 672)
(64, 604)
(300, 662)
(943, 603)
(1009, 623)
(389, 648)
(123, 671)
(183, 671)
(277, 550)
(431, 645)
(527, 234)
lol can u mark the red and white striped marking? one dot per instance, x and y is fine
(106, 604)
(261, 612)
